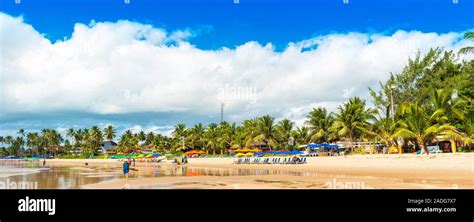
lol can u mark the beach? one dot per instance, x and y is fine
(380, 171)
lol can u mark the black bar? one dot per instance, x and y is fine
(146, 203)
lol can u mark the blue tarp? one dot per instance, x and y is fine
(325, 145)
(282, 152)
(314, 145)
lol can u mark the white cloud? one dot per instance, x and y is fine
(163, 130)
(122, 67)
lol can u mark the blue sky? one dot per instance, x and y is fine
(224, 23)
(328, 27)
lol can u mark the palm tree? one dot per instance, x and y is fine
(302, 135)
(416, 123)
(383, 128)
(9, 141)
(226, 135)
(127, 142)
(141, 137)
(33, 141)
(249, 131)
(352, 118)
(196, 136)
(150, 138)
(212, 137)
(320, 122)
(283, 130)
(266, 131)
(21, 139)
(110, 132)
(179, 136)
(468, 49)
(446, 109)
(21, 132)
(95, 139)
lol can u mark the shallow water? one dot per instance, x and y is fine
(71, 176)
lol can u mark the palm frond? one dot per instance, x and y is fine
(466, 50)
(405, 133)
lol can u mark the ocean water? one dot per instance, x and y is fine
(73, 176)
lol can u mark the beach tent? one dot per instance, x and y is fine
(313, 145)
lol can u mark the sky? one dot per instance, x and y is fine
(148, 65)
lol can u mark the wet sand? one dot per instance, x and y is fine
(395, 171)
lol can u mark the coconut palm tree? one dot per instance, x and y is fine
(320, 122)
(352, 118)
(266, 131)
(302, 135)
(196, 136)
(468, 49)
(150, 137)
(227, 135)
(33, 141)
(95, 139)
(416, 123)
(110, 132)
(212, 137)
(249, 131)
(127, 142)
(383, 128)
(283, 131)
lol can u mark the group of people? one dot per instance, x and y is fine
(131, 162)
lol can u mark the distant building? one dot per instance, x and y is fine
(106, 146)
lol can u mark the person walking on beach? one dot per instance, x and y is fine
(133, 162)
(126, 169)
(44, 161)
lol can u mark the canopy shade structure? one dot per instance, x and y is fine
(325, 145)
(283, 152)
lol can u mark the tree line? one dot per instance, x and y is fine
(431, 97)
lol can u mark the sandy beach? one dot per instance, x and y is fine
(395, 171)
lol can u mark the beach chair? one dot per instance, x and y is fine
(266, 161)
(302, 160)
(256, 160)
(239, 161)
(277, 161)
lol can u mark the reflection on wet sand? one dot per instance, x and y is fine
(73, 176)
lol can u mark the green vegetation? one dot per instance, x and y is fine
(432, 97)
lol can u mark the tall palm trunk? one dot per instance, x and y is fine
(423, 146)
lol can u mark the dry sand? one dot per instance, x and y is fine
(394, 171)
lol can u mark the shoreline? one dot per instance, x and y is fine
(379, 171)
(376, 171)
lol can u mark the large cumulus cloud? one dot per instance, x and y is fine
(128, 67)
